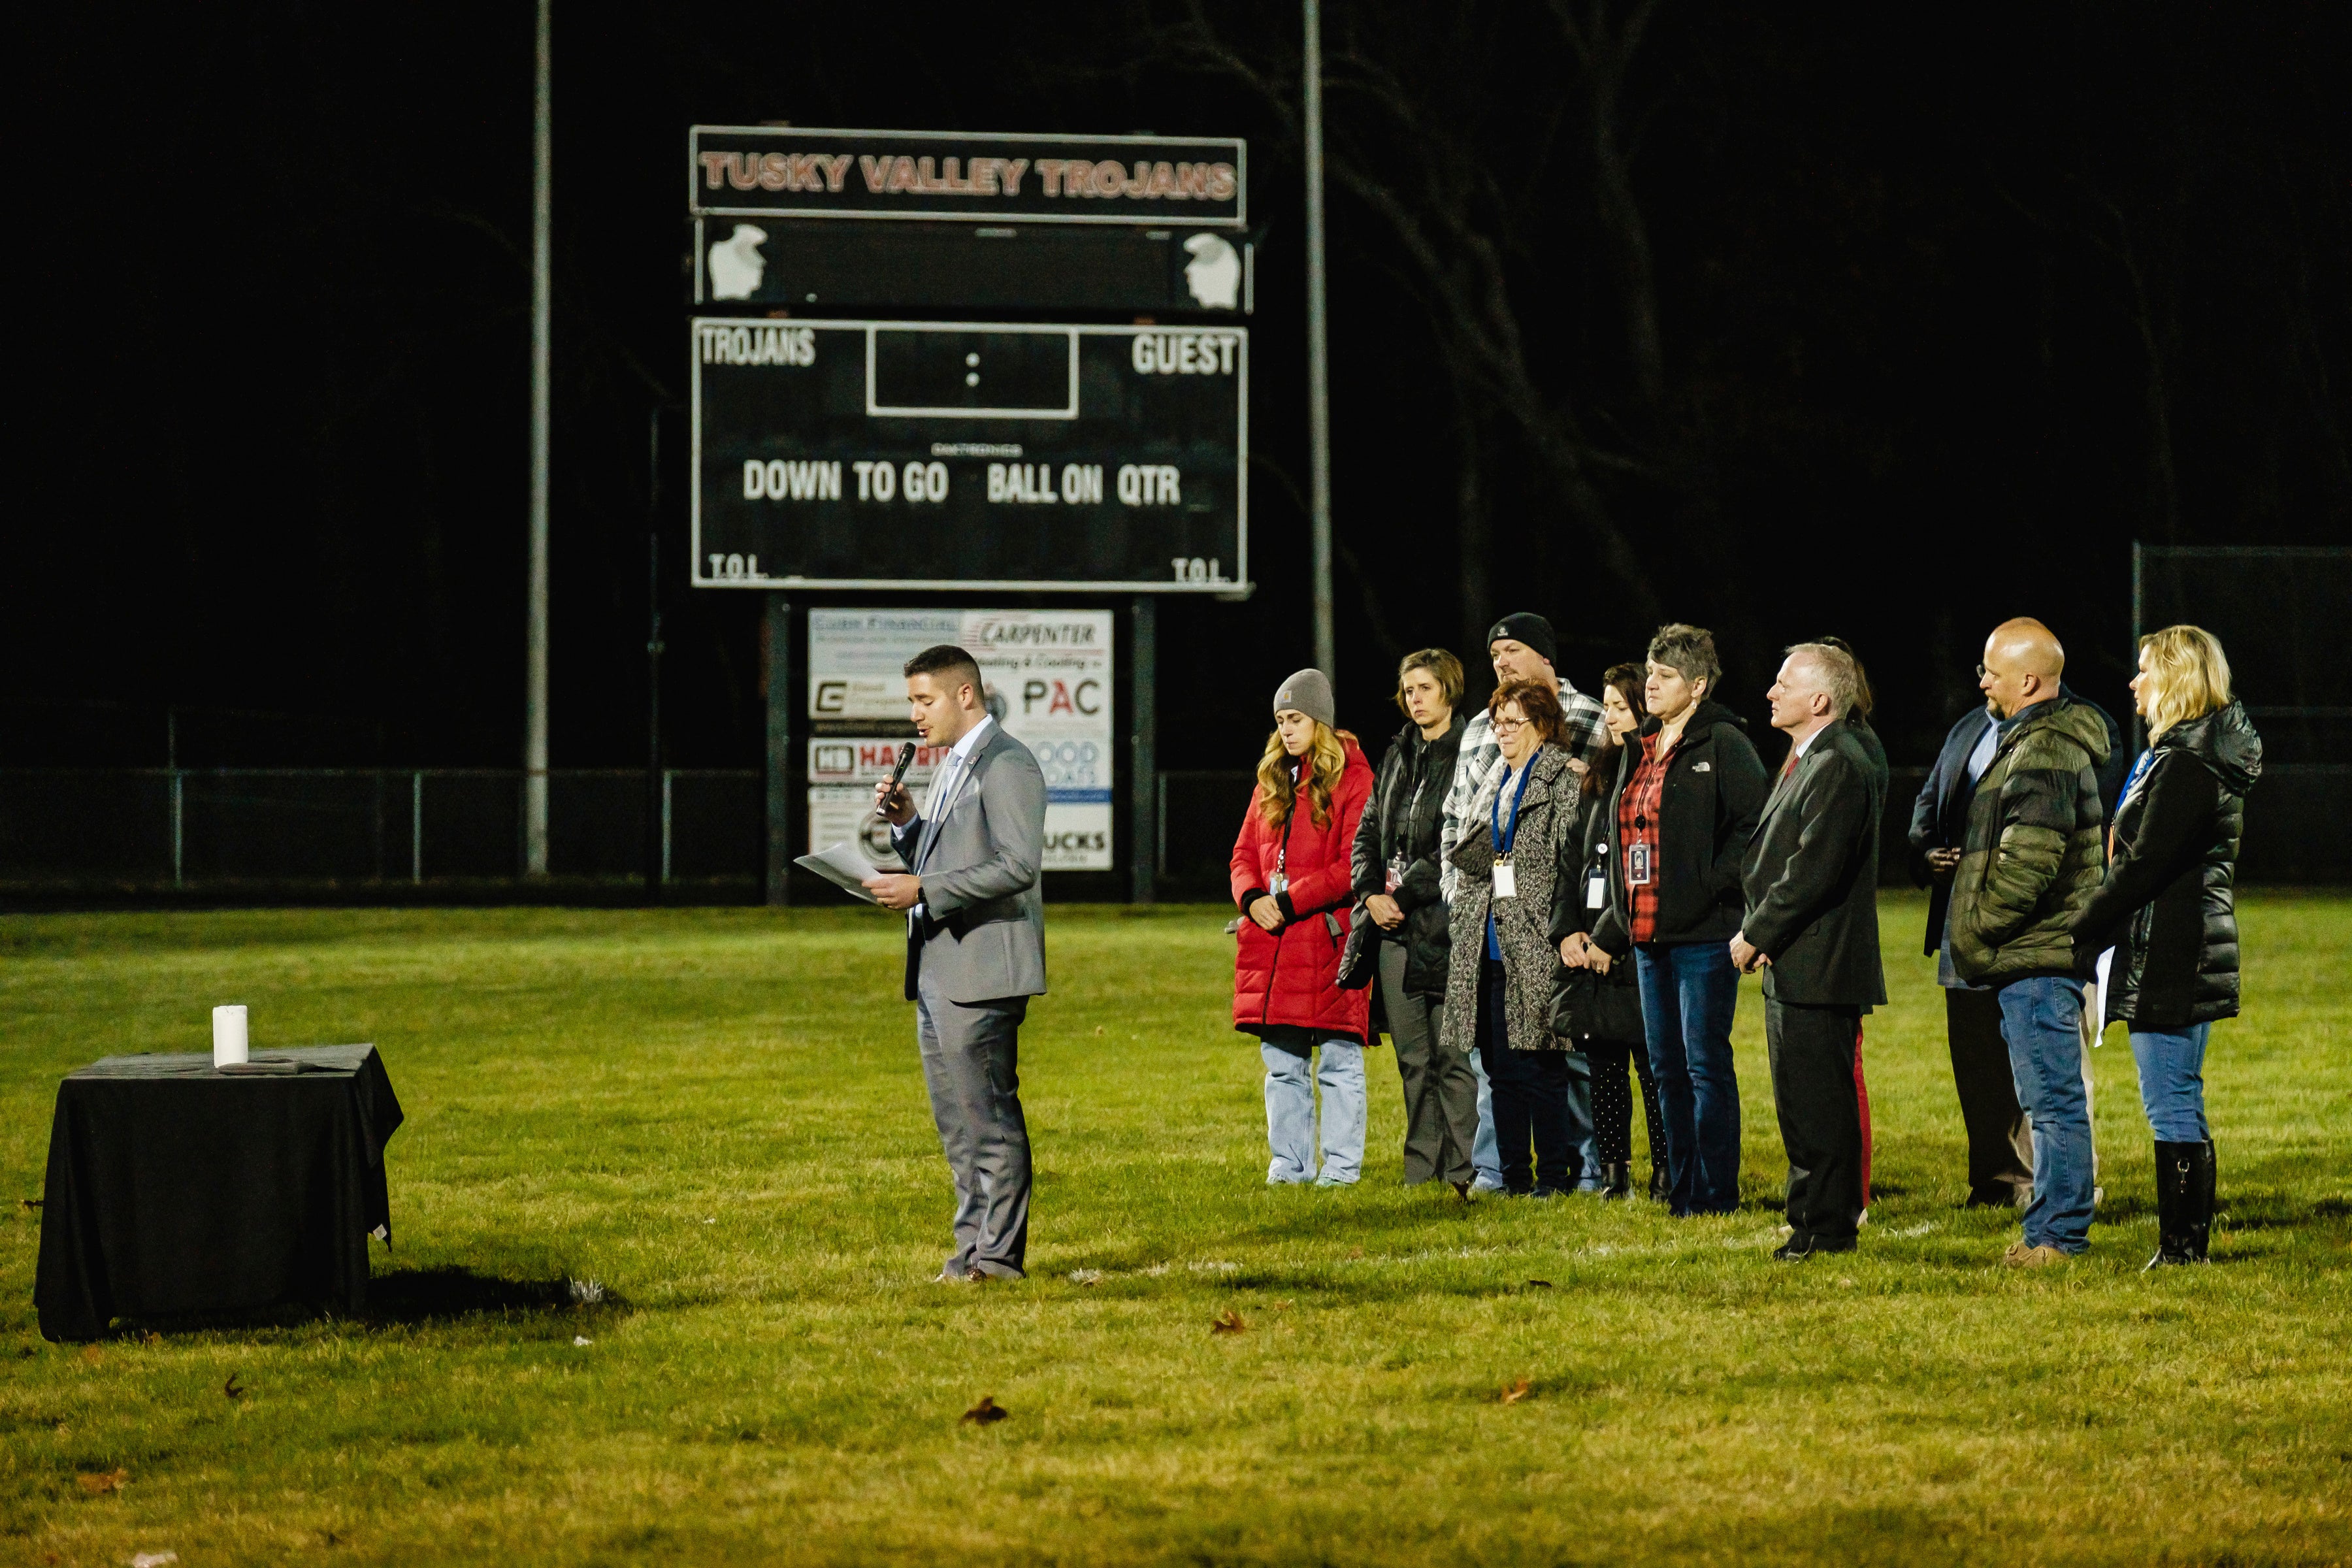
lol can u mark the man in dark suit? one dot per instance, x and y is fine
(2001, 1139)
(975, 948)
(1810, 878)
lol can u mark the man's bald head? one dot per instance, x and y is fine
(2031, 644)
(2022, 663)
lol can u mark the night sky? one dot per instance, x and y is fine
(1882, 321)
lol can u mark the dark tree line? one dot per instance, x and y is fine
(1890, 321)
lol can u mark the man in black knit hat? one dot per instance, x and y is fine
(1523, 648)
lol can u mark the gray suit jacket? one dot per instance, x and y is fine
(983, 930)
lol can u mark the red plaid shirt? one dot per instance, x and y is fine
(1637, 823)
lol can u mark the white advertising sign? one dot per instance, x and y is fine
(1048, 675)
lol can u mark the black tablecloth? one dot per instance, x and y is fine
(173, 1187)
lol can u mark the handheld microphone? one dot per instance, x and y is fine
(905, 759)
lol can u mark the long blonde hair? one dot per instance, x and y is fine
(2188, 674)
(1277, 794)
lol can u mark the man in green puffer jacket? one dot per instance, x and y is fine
(2032, 858)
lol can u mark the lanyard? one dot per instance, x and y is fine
(1505, 836)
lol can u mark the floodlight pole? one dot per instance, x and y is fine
(543, 286)
(1319, 352)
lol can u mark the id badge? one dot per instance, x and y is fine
(1596, 889)
(1396, 873)
(1637, 865)
(1507, 881)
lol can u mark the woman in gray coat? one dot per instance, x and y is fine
(1498, 995)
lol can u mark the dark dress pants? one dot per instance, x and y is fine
(1530, 1093)
(1441, 1092)
(2001, 1145)
(1811, 1051)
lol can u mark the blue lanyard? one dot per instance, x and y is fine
(1505, 836)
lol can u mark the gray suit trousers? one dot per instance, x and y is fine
(972, 1053)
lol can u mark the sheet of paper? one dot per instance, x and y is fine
(843, 867)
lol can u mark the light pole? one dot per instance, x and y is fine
(1318, 355)
(543, 284)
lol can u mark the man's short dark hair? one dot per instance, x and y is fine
(1689, 651)
(953, 666)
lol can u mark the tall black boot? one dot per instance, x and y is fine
(2200, 1212)
(2181, 1216)
(1616, 1179)
(1661, 1185)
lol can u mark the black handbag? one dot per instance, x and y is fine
(1586, 1005)
(1360, 960)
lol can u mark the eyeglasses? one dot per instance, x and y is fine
(1509, 726)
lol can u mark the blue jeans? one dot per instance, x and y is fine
(1485, 1158)
(1689, 991)
(2041, 1022)
(2172, 1082)
(1290, 1114)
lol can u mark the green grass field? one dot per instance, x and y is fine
(718, 1115)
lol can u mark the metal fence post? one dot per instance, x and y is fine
(178, 819)
(668, 775)
(416, 827)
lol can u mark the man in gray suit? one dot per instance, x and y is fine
(975, 948)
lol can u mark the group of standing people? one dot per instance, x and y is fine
(1547, 905)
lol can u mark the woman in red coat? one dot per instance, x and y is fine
(1291, 876)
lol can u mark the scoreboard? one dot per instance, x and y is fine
(940, 454)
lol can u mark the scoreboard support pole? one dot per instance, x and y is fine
(781, 697)
(1144, 787)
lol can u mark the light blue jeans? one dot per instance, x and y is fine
(2041, 1022)
(1486, 1154)
(1290, 1114)
(2172, 1082)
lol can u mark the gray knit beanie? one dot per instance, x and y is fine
(1309, 692)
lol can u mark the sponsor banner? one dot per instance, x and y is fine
(843, 814)
(1048, 678)
(755, 171)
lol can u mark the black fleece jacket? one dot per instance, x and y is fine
(1714, 793)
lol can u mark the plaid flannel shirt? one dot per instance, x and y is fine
(1638, 805)
(1585, 737)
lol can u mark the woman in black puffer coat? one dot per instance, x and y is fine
(2166, 908)
(1598, 1009)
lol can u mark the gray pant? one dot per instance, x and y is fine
(972, 1054)
(1441, 1091)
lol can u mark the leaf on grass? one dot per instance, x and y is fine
(232, 1388)
(93, 1356)
(98, 1483)
(151, 1338)
(1085, 1276)
(1228, 1321)
(1518, 1391)
(1540, 1284)
(987, 1413)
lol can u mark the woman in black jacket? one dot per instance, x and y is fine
(1395, 874)
(1598, 1007)
(1687, 800)
(2168, 909)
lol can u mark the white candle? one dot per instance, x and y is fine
(228, 1034)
